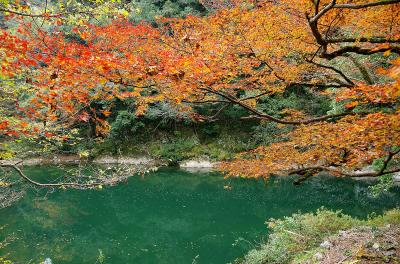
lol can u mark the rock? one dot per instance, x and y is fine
(33, 161)
(124, 160)
(396, 177)
(47, 261)
(196, 164)
(342, 233)
(326, 244)
(58, 159)
(376, 246)
(367, 169)
(389, 253)
(319, 256)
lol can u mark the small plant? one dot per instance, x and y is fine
(101, 258)
(5, 261)
(384, 184)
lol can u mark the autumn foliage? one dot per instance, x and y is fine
(241, 52)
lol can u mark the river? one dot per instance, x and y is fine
(170, 216)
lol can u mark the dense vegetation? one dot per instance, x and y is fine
(265, 87)
(172, 78)
(297, 239)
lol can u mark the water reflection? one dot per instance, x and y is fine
(170, 216)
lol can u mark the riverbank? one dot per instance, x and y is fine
(330, 237)
(190, 165)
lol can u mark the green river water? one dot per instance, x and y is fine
(170, 216)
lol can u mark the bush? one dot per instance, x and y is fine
(125, 126)
(291, 236)
(174, 150)
(390, 217)
(268, 132)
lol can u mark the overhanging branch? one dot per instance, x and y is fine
(260, 115)
(15, 167)
(358, 50)
(381, 172)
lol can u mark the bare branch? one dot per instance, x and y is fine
(46, 185)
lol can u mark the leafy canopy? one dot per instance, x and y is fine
(242, 52)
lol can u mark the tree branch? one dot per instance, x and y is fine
(15, 167)
(27, 14)
(260, 115)
(347, 79)
(323, 42)
(388, 159)
(372, 4)
(317, 169)
(364, 39)
(45, 15)
(358, 50)
(323, 11)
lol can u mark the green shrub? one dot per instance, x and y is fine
(125, 126)
(390, 217)
(293, 237)
(174, 150)
(210, 129)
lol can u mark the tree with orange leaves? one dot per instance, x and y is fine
(243, 52)
(268, 48)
